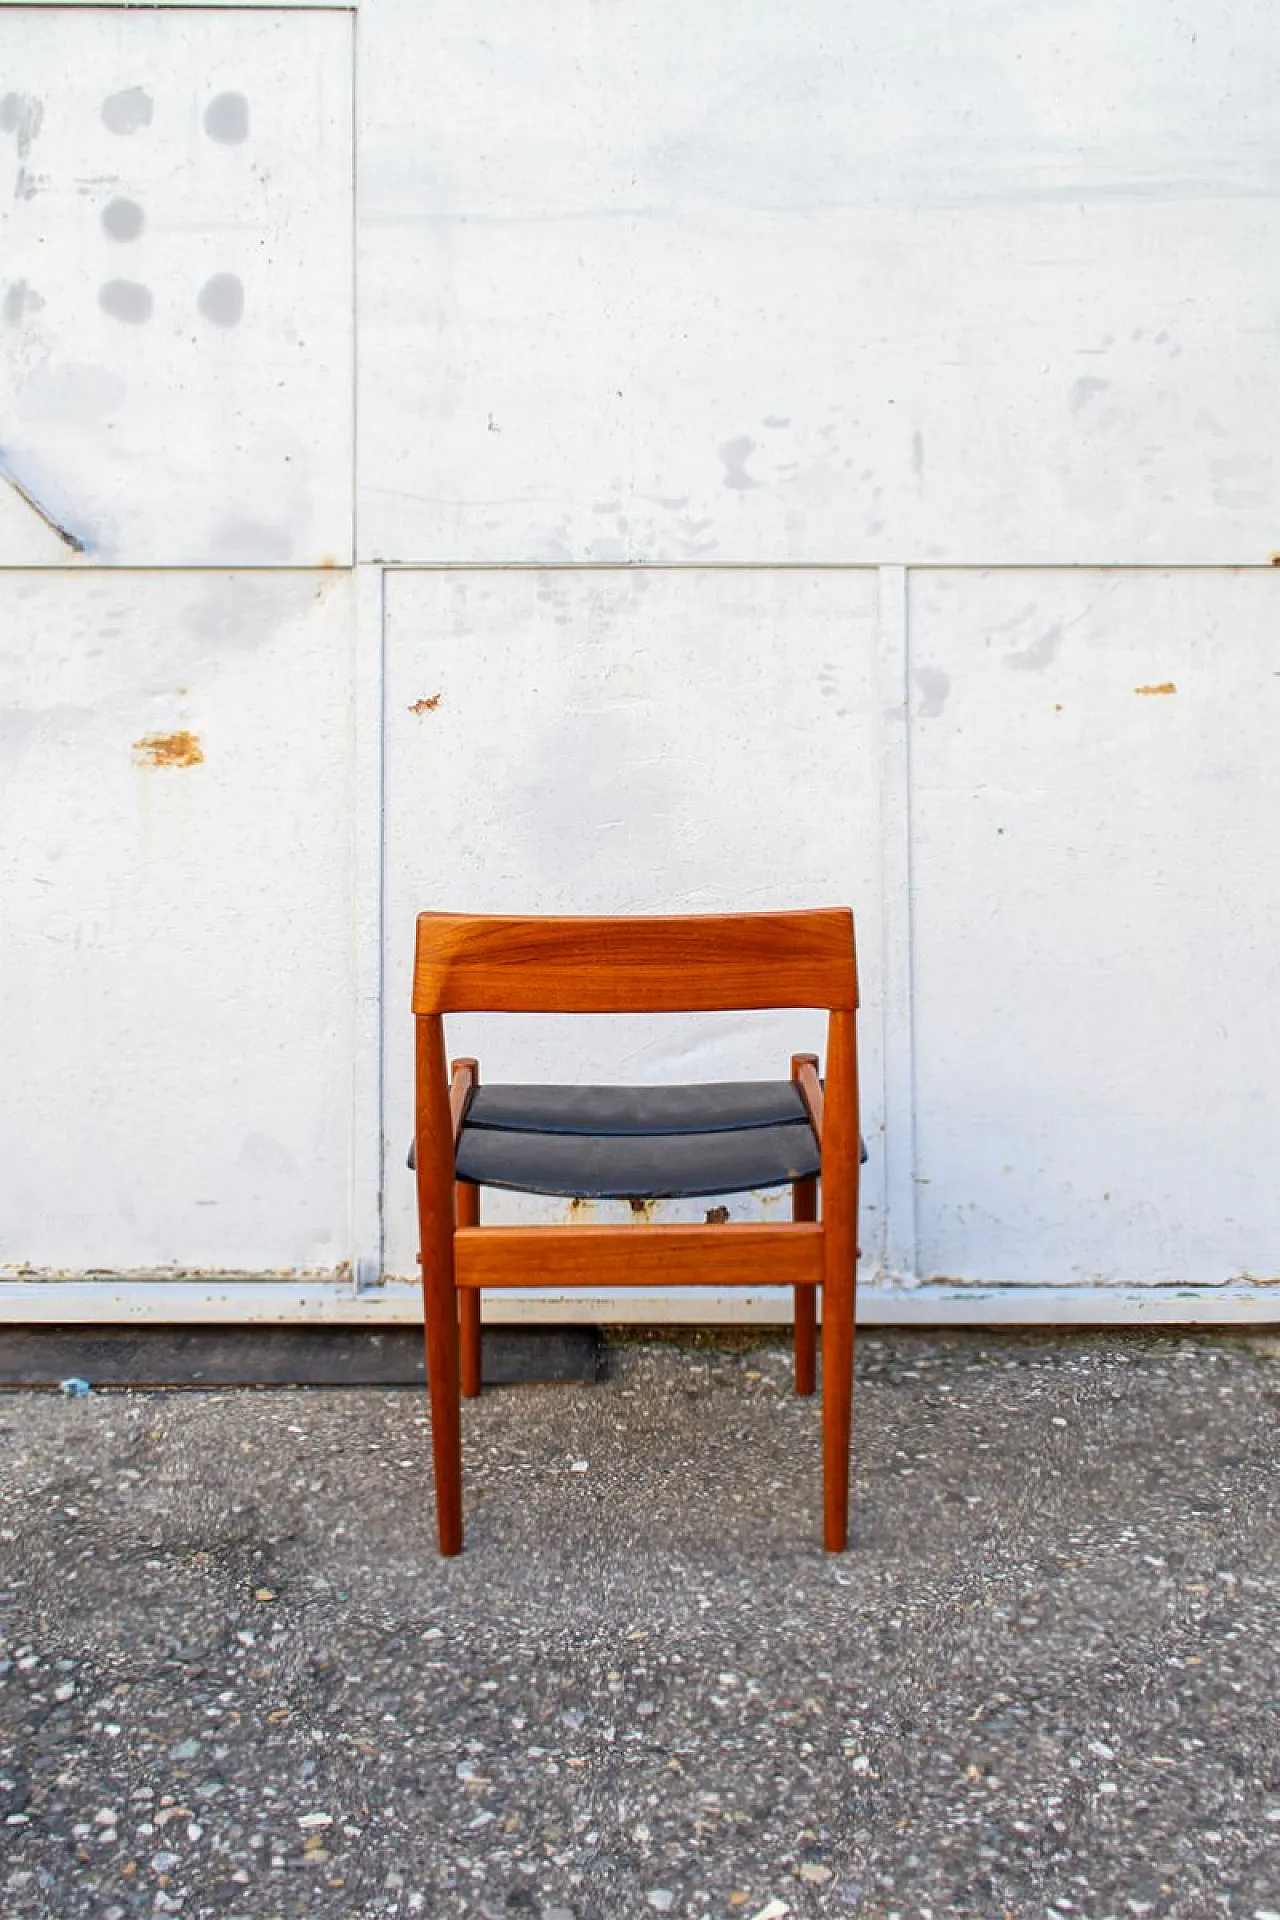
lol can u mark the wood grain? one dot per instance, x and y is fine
(677, 964)
(804, 1071)
(770, 1255)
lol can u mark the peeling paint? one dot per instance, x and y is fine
(1164, 686)
(181, 749)
(717, 1216)
(68, 539)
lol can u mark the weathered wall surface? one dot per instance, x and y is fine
(639, 458)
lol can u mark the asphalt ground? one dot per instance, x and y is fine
(236, 1680)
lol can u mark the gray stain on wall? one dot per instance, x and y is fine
(19, 301)
(123, 219)
(1085, 390)
(1042, 654)
(226, 119)
(126, 300)
(735, 455)
(221, 299)
(128, 111)
(934, 687)
(21, 115)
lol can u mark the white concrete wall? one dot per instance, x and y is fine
(812, 456)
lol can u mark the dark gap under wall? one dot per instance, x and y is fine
(281, 1356)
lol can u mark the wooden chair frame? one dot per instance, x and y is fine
(695, 964)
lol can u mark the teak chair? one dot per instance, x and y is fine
(633, 1142)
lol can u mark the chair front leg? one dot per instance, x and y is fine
(467, 1209)
(839, 1273)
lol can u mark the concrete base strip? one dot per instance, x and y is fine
(250, 1301)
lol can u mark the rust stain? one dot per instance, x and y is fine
(1273, 559)
(717, 1216)
(580, 1208)
(427, 706)
(642, 1209)
(181, 749)
(1165, 686)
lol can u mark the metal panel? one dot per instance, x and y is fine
(336, 6)
(175, 385)
(618, 742)
(175, 905)
(216, 1301)
(1095, 798)
(920, 282)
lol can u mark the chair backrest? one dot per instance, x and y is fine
(695, 963)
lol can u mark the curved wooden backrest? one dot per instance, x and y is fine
(697, 963)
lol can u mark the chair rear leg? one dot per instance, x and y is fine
(467, 1204)
(441, 1325)
(804, 1206)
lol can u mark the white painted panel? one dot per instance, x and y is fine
(343, 6)
(1096, 793)
(175, 287)
(280, 1302)
(175, 938)
(985, 283)
(616, 742)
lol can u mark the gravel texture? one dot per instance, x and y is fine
(236, 1680)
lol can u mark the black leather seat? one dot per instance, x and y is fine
(637, 1143)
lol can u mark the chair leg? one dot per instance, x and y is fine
(441, 1318)
(467, 1205)
(804, 1206)
(837, 1413)
(839, 1273)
